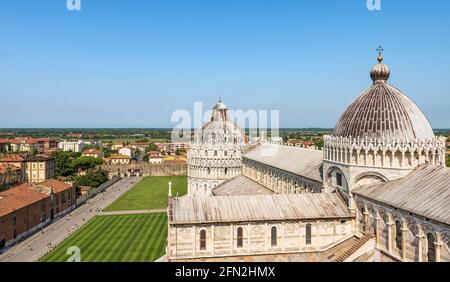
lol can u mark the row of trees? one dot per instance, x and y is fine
(91, 179)
(69, 163)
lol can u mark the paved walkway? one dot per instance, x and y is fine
(40, 243)
(133, 212)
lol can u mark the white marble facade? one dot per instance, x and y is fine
(216, 153)
(381, 139)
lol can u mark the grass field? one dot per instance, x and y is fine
(150, 193)
(117, 238)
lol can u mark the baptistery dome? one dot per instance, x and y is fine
(219, 129)
(216, 153)
(383, 112)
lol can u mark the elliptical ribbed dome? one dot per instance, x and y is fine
(383, 112)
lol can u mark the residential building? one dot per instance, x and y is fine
(93, 153)
(155, 157)
(301, 143)
(28, 144)
(72, 146)
(172, 147)
(37, 168)
(26, 208)
(119, 160)
(10, 175)
(126, 151)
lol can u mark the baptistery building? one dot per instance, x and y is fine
(216, 153)
(379, 190)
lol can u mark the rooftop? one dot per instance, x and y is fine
(241, 185)
(425, 192)
(187, 210)
(27, 194)
(117, 157)
(25, 158)
(299, 161)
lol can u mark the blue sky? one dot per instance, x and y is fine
(132, 63)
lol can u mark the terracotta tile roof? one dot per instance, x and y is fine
(26, 194)
(4, 167)
(37, 158)
(92, 152)
(119, 157)
(25, 158)
(58, 186)
(19, 197)
(12, 158)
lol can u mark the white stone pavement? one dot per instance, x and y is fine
(40, 243)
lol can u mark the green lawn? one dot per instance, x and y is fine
(150, 193)
(117, 238)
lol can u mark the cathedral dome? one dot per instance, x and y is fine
(219, 129)
(383, 112)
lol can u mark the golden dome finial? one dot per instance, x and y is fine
(380, 51)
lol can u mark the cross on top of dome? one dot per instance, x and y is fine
(380, 72)
(380, 51)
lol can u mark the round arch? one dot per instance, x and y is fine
(332, 178)
(367, 178)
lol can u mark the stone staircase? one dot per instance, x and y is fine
(354, 247)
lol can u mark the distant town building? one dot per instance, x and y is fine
(72, 146)
(4, 145)
(301, 143)
(93, 153)
(28, 144)
(119, 159)
(37, 168)
(155, 157)
(28, 207)
(139, 146)
(172, 147)
(10, 175)
(116, 147)
(126, 151)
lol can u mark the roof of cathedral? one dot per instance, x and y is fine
(383, 112)
(241, 185)
(425, 192)
(299, 161)
(219, 129)
(189, 210)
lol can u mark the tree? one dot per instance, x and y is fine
(108, 151)
(138, 155)
(151, 147)
(91, 179)
(86, 163)
(180, 152)
(448, 161)
(318, 143)
(63, 162)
